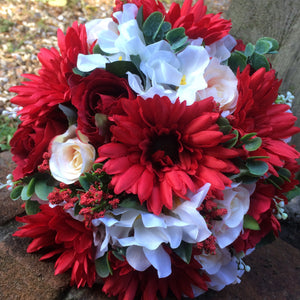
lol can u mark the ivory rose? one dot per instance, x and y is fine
(70, 157)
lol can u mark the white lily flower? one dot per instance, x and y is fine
(145, 233)
(236, 201)
(221, 49)
(221, 267)
(96, 26)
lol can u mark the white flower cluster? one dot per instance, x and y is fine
(189, 75)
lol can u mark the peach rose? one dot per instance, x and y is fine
(70, 157)
(222, 85)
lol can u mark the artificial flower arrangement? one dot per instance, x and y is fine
(152, 151)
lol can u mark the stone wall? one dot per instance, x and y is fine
(279, 19)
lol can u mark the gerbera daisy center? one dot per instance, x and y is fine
(164, 150)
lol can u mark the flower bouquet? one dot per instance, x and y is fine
(152, 151)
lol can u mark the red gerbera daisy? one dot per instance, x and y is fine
(159, 148)
(50, 87)
(55, 229)
(130, 284)
(197, 23)
(257, 112)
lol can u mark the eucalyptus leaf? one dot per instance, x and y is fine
(80, 73)
(247, 136)
(31, 187)
(257, 167)
(102, 266)
(84, 182)
(42, 189)
(237, 60)
(16, 192)
(24, 195)
(249, 50)
(140, 17)
(258, 61)
(275, 44)
(250, 223)
(293, 193)
(263, 46)
(121, 67)
(232, 142)
(253, 144)
(184, 251)
(97, 50)
(32, 207)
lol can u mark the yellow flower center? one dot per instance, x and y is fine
(183, 80)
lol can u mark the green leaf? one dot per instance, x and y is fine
(102, 266)
(276, 181)
(258, 61)
(231, 143)
(177, 38)
(263, 46)
(80, 73)
(223, 122)
(257, 167)
(118, 255)
(293, 193)
(184, 251)
(268, 239)
(16, 192)
(77, 208)
(275, 44)
(258, 157)
(154, 28)
(130, 203)
(237, 60)
(31, 187)
(226, 129)
(121, 67)
(97, 166)
(32, 207)
(250, 223)
(140, 18)
(136, 60)
(84, 182)
(285, 174)
(151, 25)
(97, 50)
(24, 195)
(247, 137)
(42, 189)
(249, 49)
(249, 179)
(253, 144)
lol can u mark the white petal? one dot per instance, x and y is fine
(160, 260)
(137, 259)
(149, 238)
(150, 220)
(87, 63)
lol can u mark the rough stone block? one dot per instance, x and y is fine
(8, 208)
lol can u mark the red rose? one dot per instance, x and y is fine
(96, 97)
(31, 140)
